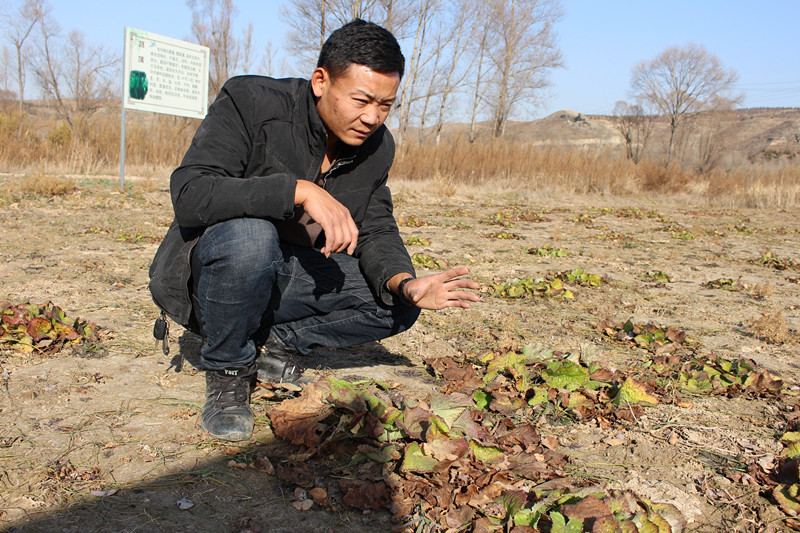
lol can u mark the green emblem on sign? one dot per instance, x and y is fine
(138, 85)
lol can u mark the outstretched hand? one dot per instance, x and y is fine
(438, 291)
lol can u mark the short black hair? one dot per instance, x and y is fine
(362, 43)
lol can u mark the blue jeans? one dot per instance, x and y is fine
(248, 284)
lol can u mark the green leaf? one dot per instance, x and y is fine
(565, 375)
(438, 429)
(450, 407)
(485, 454)
(792, 450)
(540, 396)
(560, 525)
(482, 399)
(634, 392)
(791, 436)
(415, 460)
(526, 517)
(536, 352)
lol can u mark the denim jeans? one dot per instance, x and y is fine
(247, 285)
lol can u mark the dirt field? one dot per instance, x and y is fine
(107, 437)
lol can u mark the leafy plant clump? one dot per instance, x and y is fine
(416, 241)
(551, 286)
(677, 231)
(547, 251)
(728, 284)
(412, 221)
(778, 263)
(507, 217)
(530, 287)
(656, 276)
(44, 329)
(650, 337)
(429, 262)
(578, 276)
(470, 458)
(504, 235)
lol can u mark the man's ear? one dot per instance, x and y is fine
(320, 79)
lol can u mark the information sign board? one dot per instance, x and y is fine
(165, 75)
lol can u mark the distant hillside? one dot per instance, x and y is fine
(757, 132)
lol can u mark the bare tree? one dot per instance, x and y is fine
(75, 76)
(480, 67)
(710, 139)
(19, 27)
(212, 26)
(309, 26)
(523, 53)
(5, 74)
(460, 29)
(269, 65)
(635, 126)
(311, 22)
(420, 57)
(681, 82)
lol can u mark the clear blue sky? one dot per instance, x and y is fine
(601, 40)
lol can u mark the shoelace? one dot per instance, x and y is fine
(233, 391)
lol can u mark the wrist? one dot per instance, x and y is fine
(401, 290)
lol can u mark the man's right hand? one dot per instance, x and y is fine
(341, 232)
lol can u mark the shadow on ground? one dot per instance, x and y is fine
(219, 497)
(322, 359)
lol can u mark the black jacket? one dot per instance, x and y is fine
(259, 137)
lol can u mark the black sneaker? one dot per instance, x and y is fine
(226, 413)
(276, 364)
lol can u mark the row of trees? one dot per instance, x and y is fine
(466, 60)
(477, 58)
(682, 84)
(70, 73)
(482, 59)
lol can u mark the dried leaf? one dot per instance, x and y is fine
(303, 505)
(318, 493)
(298, 419)
(364, 494)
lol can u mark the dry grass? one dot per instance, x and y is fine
(762, 291)
(40, 143)
(42, 184)
(528, 167)
(770, 327)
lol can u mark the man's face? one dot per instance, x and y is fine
(354, 104)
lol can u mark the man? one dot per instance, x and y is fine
(283, 231)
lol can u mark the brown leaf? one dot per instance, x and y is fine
(524, 435)
(589, 507)
(602, 374)
(364, 494)
(415, 421)
(549, 441)
(318, 493)
(263, 464)
(303, 505)
(296, 473)
(455, 518)
(446, 450)
(298, 419)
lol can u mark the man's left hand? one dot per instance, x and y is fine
(438, 291)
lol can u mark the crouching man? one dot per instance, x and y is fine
(284, 238)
